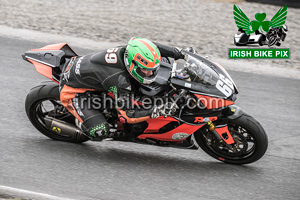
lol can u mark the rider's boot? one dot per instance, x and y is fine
(98, 133)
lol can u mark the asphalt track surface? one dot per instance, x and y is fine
(121, 170)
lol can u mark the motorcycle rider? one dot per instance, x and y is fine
(276, 35)
(117, 70)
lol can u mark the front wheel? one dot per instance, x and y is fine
(250, 145)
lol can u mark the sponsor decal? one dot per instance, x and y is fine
(142, 60)
(77, 67)
(56, 129)
(180, 136)
(205, 119)
(189, 85)
(66, 74)
(76, 105)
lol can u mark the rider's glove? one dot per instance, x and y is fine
(157, 111)
(178, 53)
(167, 109)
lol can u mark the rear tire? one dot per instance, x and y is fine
(252, 128)
(46, 91)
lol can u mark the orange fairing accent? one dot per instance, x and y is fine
(42, 69)
(201, 119)
(155, 124)
(168, 136)
(67, 94)
(212, 102)
(223, 130)
(51, 47)
(132, 120)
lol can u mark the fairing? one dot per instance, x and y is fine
(49, 60)
(206, 78)
(179, 133)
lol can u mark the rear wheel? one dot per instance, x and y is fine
(251, 141)
(42, 102)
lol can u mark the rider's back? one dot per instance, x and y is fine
(96, 70)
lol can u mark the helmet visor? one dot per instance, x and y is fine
(148, 73)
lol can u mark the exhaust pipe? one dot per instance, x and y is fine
(64, 128)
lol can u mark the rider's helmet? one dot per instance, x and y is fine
(285, 28)
(142, 59)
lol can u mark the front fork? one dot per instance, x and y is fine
(222, 133)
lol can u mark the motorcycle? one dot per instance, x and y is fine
(276, 35)
(200, 95)
(242, 39)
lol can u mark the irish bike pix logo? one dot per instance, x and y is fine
(260, 32)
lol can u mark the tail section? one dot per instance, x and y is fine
(49, 60)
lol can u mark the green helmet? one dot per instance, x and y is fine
(142, 59)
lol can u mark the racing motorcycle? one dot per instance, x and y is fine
(201, 98)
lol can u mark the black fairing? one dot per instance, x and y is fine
(163, 73)
(197, 87)
(53, 58)
(209, 90)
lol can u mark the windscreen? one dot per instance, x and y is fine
(199, 72)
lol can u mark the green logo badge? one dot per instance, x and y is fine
(260, 32)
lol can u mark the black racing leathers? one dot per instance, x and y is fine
(103, 71)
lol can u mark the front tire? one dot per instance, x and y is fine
(251, 141)
(46, 95)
